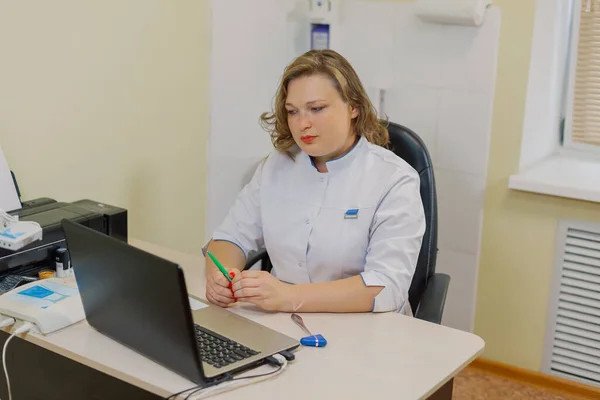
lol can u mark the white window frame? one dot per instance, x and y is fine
(568, 143)
(547, 165)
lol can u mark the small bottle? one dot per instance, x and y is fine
(62, 262)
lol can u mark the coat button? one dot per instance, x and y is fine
(307, 221)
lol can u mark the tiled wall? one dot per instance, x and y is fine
(439, 81)
(461, 139)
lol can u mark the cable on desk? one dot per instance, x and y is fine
(204, 391)
(276, 371)
(225, 378)
(21, 329)
(7, 321)
(174, 395)
(276, 359)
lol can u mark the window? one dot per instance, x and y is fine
(560, 147)
(582, 124)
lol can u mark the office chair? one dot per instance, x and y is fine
(427, 293)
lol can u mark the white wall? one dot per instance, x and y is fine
(439, 82)
(246, 62)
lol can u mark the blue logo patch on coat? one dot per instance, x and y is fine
(351, 214)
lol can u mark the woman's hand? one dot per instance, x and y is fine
(264, 290)
(218, 288)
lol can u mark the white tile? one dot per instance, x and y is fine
(418, 50)
(370, 50)
(417, 109)
(459, 310)
(298, 31)
(469, 55)
(460, 209)
(463, 134)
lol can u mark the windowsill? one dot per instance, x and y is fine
(575, 176)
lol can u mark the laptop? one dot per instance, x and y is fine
(141, 301)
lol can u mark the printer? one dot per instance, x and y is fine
(48, 213)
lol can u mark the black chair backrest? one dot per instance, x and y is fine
(409, 146)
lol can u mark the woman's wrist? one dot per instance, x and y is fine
(293, 296)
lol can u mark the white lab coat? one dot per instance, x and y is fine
(299, 215)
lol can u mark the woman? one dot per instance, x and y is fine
(340, 215)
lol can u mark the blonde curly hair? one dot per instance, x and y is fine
(333, 65)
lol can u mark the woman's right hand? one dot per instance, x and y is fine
(218, 288)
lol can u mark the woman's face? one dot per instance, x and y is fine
(320, 121)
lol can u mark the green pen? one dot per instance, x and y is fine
(219, 265)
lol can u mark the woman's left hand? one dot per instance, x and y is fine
(264, 290)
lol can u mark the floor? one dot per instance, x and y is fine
(473, 384)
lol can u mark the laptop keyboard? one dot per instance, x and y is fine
(219, 351)
(10, 282)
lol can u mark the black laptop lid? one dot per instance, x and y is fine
(136, 298)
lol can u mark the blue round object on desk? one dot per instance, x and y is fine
(314, 341)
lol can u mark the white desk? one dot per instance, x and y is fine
(368, 355)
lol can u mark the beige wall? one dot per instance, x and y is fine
(108, 100)
(519, 229)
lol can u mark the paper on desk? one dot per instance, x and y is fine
(196, 305)
(44, 294)
(9, 200)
